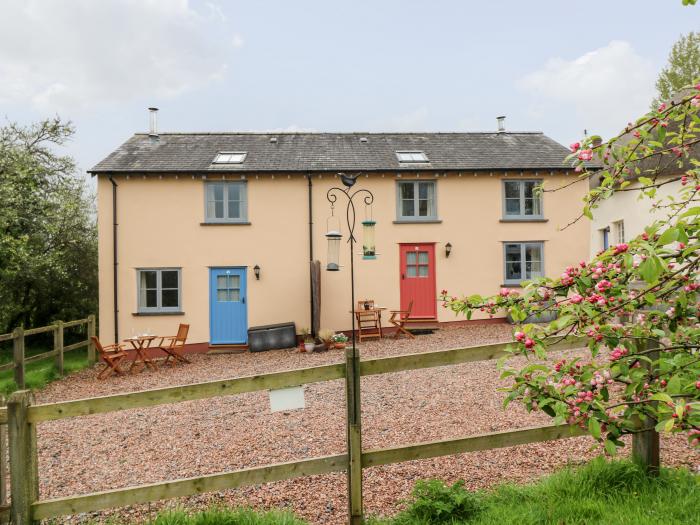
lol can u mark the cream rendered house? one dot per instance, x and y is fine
(218, 229)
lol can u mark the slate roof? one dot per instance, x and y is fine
(314, 152)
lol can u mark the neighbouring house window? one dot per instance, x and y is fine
(619, 229)
(521, 200)
(605, 237)
(523, 261)
(416, 200)
(226, 202)
(159, 290)
(411, 156)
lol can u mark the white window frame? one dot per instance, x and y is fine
(619, 228)
(230, 157)
(521, 187)
(416, 157)
(159, 308)
(523, 247)
(243, 185)
(415, 217)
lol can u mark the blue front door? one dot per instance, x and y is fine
(227, 306)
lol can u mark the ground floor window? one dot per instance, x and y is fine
(523, 261)
(159, 289)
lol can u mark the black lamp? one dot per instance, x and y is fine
(256, 271)
(448, 249)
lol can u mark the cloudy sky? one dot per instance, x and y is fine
(360, 65)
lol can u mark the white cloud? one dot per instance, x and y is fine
(606, 88)
(66, 55)
(237, 41)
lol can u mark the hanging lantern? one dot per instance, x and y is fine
(333, 237)
(368, 246)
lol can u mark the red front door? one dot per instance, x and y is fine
(418, 279)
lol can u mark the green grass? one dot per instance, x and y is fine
(224, 516)
(601, 492)
(39, 373)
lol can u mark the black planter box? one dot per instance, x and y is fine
(269, 337)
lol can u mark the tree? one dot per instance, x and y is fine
(683, 66)
(636, 305)
(48, 242)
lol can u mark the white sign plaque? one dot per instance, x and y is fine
(283, 399)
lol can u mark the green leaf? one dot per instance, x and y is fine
(594, 428)
(610, 447)
(648, 270)
(661, 425)
(661, 396)
(667, 237)
(674, 385)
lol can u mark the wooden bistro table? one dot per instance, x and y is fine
(368, 331)
(140, 344)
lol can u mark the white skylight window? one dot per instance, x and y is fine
(230, 157)
(411, 156)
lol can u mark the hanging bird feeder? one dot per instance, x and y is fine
(333, 236)
(368, 245)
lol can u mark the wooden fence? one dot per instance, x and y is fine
(19, 335)
(23, 417)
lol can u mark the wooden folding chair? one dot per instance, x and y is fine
(368, 324)
(112, 356)
(173, 345)
(399, 318)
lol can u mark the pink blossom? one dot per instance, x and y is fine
(622, 247)
(575, 147)
(586, 154)
(576, 298)
(504, 292)
(662, 107)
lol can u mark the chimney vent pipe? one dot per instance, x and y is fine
(153, 122)
(501, 123)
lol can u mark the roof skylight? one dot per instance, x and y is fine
(230, 157)
(411, 156)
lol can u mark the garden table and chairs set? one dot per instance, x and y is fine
(138, 348)
(369, 320)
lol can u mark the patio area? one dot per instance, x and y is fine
(198, 437)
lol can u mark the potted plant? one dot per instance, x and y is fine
(340, 340)
(307, 342)
(326, 338)
(307, 339)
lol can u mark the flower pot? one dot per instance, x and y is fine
(309, 347)
(339, 346)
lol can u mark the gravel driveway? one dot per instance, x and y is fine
(131, 447)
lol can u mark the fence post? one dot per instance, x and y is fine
(58, 345)
(354, 435)
(24, 474)
(3, 459)
(645, 445)
(18, 354)
(90, 334)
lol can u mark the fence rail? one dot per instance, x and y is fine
(20, 359)
(23, 416)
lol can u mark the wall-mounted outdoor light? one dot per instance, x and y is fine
(448, 249)
(256, 271)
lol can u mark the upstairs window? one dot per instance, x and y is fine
(521, 200)
(230, 157)
(158, 290)
(523, 261)
(416, 201)
(226, 202)
(411, 156)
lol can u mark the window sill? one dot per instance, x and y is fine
(232, 223)
(418, 221)
(534, 219)
(157, 313)
(512, 285)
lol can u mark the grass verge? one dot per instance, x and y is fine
(223, 516)
(601, 492)
(39, 373)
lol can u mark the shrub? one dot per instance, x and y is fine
(434, 502)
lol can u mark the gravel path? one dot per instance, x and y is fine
(119, 449)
